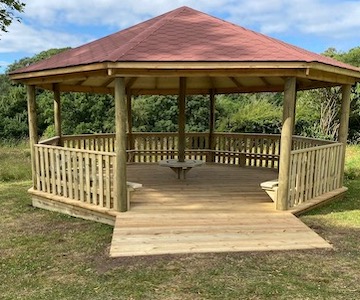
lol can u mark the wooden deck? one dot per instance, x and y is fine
(216, 209)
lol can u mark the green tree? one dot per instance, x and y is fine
(13, 106)
(321, 107)
(8, 8)
(251, 113)
(160, 113)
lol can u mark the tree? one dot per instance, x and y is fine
(258, 113)
(322, 106)
(13, 107)
(7, 9)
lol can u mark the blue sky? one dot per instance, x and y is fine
(314, 25)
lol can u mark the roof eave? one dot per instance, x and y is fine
(193, 68)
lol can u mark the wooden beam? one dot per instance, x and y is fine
(286, 143)
(33, 134)
(57, 112)
(212, 124)
(130, 82)
(84, 89)
(74, 72)
(203, 91)
(344, 124)
(182, 118)
(212, 82)
(175, 91)
(177, 69)
(120, 145)
(264, 81)
(107, 82)
(321, 75)
(80, 82)
(236, 82)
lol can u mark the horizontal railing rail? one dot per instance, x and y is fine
(54, 141)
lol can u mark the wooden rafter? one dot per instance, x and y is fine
(107, 82)
(130, 82)
(264, 80)
(236, 82)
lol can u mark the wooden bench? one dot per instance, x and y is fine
(271, 188)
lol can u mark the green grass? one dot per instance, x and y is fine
(14, 162)
(45, 255)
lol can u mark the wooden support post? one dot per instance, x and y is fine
(182, 119)
(57, 113)
(130, 144)
(344, 125)
(120, 165)
(212, 126)
(33, 134)
(286, 142)
(294, 119)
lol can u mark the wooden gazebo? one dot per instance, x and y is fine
(182, 52)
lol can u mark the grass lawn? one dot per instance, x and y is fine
(45, 255)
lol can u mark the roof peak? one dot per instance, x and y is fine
(183, 35)
(161, 20)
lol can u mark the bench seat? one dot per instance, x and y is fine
(271, 188)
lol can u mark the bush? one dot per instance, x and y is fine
(254, 114)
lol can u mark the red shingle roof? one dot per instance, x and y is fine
(183, 35)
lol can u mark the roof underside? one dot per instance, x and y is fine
(212, 53)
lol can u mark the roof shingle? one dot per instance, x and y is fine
(183, 35)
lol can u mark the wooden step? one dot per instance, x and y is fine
(169, 233)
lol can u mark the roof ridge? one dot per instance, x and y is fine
(138, 39)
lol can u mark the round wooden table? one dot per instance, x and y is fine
(181, 167)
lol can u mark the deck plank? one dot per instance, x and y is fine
(216, 209)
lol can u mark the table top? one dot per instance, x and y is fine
(174, 163)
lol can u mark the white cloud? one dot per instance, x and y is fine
(105, 12)
(338, 19)
(30, 40)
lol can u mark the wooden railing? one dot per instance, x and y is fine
(256, 150)
(247, 149)
(313, 172)
(77, 174)
(261, 150)
(82, 169)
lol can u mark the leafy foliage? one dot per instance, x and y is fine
(253, 113)
(160, 113)
(7, 9)
(317, 112)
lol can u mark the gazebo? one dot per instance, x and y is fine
(183, 52)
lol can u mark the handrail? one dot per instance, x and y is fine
(76, 150)
(50, 141)
(333, 144)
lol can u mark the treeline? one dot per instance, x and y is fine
(317, 112)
